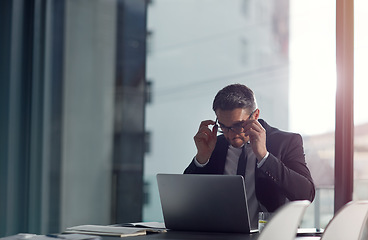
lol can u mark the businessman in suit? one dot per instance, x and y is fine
(272, 161)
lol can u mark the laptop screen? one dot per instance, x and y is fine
(215, 203)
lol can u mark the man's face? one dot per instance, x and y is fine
(231, 122)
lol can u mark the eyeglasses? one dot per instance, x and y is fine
(237, 128)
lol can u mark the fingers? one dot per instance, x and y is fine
(204, 131)
(214, 131)
(253, 127)
(255, 131)
(204, 128)
(202, 137)
(205, 139)
(206, 123)
(257, 138)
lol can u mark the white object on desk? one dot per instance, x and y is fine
(158, 225)
(112, 230)
(284, 223)
(348, 222)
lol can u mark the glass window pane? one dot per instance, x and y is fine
(360, 100)
(88, 112)
(312, 97)
(103, 115)
(283, 50)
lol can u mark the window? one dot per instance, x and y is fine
(360, 100)
(286, 57)
(72, 106)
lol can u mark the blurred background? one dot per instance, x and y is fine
(98, 96)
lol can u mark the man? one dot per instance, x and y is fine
(271, 161)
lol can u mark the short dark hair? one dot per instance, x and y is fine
(235, 96)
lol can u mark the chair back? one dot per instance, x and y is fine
(284, 223)
(348, 222)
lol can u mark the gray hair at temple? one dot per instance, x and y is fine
(235, 96)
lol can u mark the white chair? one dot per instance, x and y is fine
(348, 222)
(284, 223)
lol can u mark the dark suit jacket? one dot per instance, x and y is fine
(284, 175)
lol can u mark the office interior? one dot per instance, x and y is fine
(98, 96)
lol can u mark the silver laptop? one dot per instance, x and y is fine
(212, 203)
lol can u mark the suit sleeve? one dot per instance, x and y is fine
(211, 168)
(216, 164)
(193, 169)
(287, 171)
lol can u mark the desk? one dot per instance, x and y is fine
(176, 235)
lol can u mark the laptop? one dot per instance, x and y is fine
(211, 203)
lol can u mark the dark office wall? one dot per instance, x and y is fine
(15, 91)
(32, 34)
(129, 132)
(28, 197)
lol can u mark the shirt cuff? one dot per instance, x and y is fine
(200, 164)
(263, 160)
